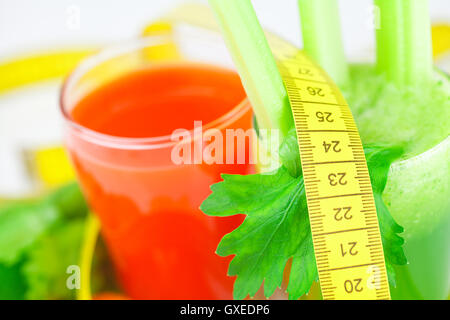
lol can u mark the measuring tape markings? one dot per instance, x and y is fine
(349, 258)
(344, 223)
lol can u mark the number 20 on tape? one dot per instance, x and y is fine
(344, 224)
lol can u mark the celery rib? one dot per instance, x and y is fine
(322, 39)
(404, 51)
(255, 63)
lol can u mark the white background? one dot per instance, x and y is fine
(29, 26)
(39, 24)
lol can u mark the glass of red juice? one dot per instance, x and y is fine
(121, 108)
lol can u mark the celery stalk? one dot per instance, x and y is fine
(255, 63)
(404, 52)
(322, 40)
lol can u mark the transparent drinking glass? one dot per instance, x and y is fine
(161, 244)
(417, 190)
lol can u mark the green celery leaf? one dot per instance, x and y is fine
(47, 261)
(12, 284)
(276, 227)
(290, 154)
(379, 160)
(69, 200)
(304, 264)
(22, 223)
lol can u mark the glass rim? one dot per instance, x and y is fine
(128, 143)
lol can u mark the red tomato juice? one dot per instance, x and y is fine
(162, 245)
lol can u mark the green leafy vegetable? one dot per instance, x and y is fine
(379, 160)
(274, 231)
(20, 225)
(276, 227)
(38, 240)
(290, 155)
(12, 283)
(48, 259)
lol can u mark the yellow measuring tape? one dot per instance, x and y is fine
(48, 164)
(344, 223)
(441, 39)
